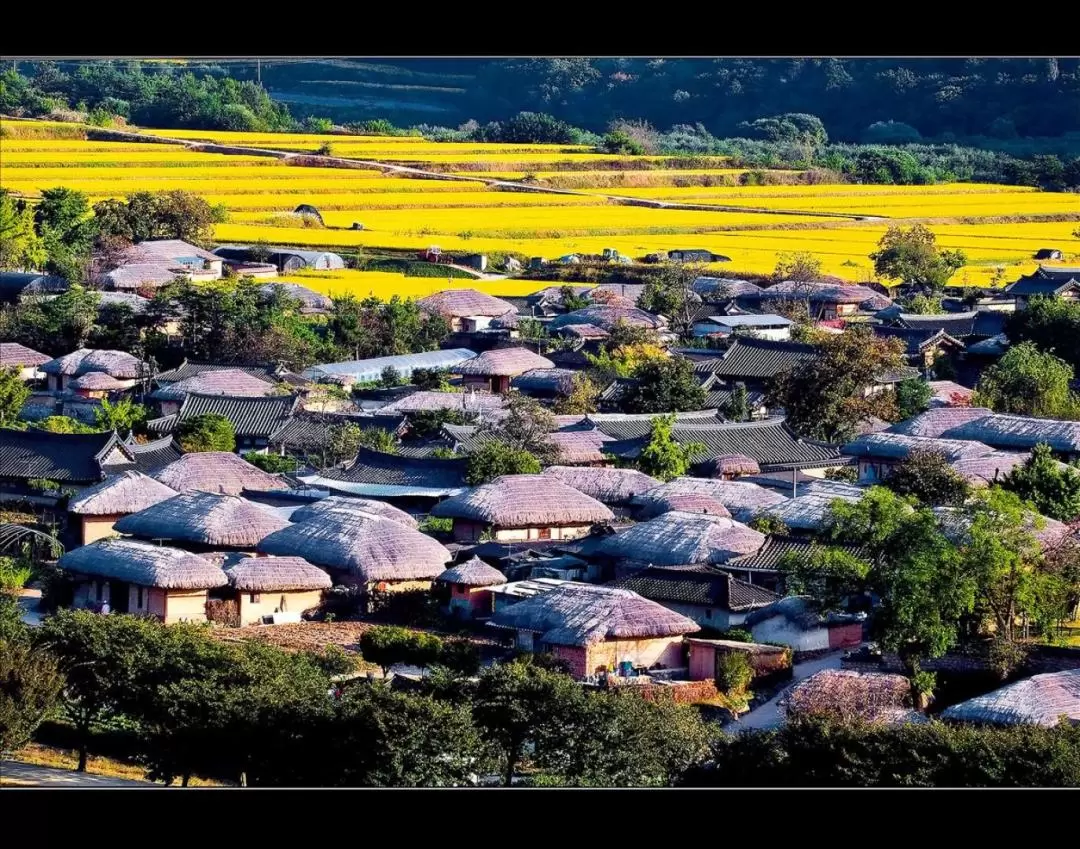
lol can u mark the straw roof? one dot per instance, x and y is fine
(845, 694)
(690, 502)
(983, 471)
(801, 611)
(472, 573)
(519, 501)
(897, 446)
(583, 614)
(1038, 700)
(462, 303)
(678, 538)
(116, 363)
(937, 421)
(607, 317)
(371, 548)
(145, 564)
(99, 381)
(217, 471)
(1007, 431)
(743, 500)
(226, 381)
(275, 574)
(128, 492)
(585, 446)
(341, 503)
(735, 464)
(503, 362)
(467, 402)
(611, 486)
(203, 518)
(14, 354)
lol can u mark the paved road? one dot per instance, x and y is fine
(768, 715)
(48, 776)
(28, 601)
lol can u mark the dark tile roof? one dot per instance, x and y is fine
(769, 442)
(151, 456)
(376, 467)
(989, 323)
(14, 284)
(1045, 281)
(308, 430)
(957, 325)
(915, 339)
(768, 557)
(628, 426)
(66, 457)
(753, 359)
(706, 587)
(253, 418)
(721, 396)
(190, 369)
(162, 424)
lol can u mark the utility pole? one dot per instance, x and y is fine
(258, 70)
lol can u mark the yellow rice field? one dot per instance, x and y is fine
(759, 222)
(382, 284)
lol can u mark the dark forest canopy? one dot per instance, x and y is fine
(858, 100)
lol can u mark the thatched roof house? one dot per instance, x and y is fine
(984, 471)
(275, 574)
(99, 506)
(545, 382)
(598, 628)
(472, 573)
(843, 694)
(1038, 700)
(689, 502)
(473, 403)
(119, 364)
(203, 518)
(896, 446)
(610, 486)
(581, 447)
(226, 381)
(523, 507)
(141, 578)
(339, 503)
(606, 317)
(678, 538)
(217, 471)
(732, 465)
(743, 500)
(493, 369)
(371, 549)
(97, 382)
(939, 421)
(26, 360)
(465, 303)
(1047, 531)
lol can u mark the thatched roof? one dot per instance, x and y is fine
(467, 402)
(938, 421)
(128, 492)
(845, 694)
(275, 574)
(341, 503)
(955, 523)
(585, 446)
(607, 317)
(144, 563)
(12, 354)
(801, 611)
(116, 363)
(582, 614)
(462, 303)
(503, 362)
(217, 471)
(203, 518)
(983, 471)
(226, 381)
(1039, 700)
(370, 548)
(472, 573)
(690, 502)
(1025, 432)
(743, 500)
(98, 381)
(676, 538)
(557, 381)
(611, 486)
(896, 446)
(520, 501)
(735, 464)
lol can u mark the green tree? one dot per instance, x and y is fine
(495, 458)
(927, 476)
(829, 575)
(662, 457)
(20, 245)
(386, 645)
(669, 291)
(430, 379)
(13, 394)
(824, 395)
(391, 377)
(911, 256)
(425, 424)
(1029, 382)
(664, 385)
(913, 396)
(272, 463)
(342, 443)
(733, 677)
(123, 416)
(1052, 324)
(766, 524)
(63, 424)
(172, 214)
(1052, 486)
(63, 220)
(800, 266)
(570, 300)
(522, 703)
(738, 408)
(29, 686)
(527, 426)
(377, 439)
(582, 398)
(923, 304)
(208, 432)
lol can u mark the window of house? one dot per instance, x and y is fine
(545, 533)
(138, 596)
(255, 598)
(708, 613)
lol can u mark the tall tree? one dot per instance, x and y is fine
(208, 432)
(663, 457)
(927, 476)
(1052, 486)
(913, 396)
(831, 576)
(1029, 382)
(13, 394)
(669, 291)
(495, 458)
(21, 248)
(664, 385)
(526, 426)
(1053, 324)
(122, 416)
(63, 220)
(910, 255)
(824, 395)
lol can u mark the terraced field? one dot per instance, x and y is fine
(996, 226)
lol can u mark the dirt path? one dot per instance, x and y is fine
(16, 774)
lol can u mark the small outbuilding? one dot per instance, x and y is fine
(275, 587)
(309, 211)
(469, 584)
(203, 519)
(523, 507)
(99, 507)
(677, 538)
(117, 364)
(217, 471)
(142, 578)
(797, 622)
(492, 370)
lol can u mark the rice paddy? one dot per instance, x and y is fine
(998, 227)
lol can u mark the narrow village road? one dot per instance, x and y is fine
(31, 775)
(29, 599)
(768, 715)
